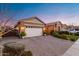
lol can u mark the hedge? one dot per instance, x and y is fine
(65, 35)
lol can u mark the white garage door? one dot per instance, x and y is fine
(33, 32)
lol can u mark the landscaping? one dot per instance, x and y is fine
(66, 35)
(22, 34)
(15, 49)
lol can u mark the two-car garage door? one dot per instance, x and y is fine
(30, 32)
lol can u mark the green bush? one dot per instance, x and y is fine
(66, 36)
(45, 33)
(23, 34)
(56, 34)
(73, 38)
(63, 32)
(77, 34)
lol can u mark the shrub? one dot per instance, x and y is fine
(23, 34)
(27, 53)
(45, 33)
(63, 32)
(64, 36)
(56, 34)
(13, 48)
(77, 34)
(73, 38)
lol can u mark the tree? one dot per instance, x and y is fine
(4, 20)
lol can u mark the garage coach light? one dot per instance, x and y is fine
(44, 29)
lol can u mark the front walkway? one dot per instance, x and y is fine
(43, 45)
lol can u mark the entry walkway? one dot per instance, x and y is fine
(73, 50)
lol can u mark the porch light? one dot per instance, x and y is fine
(22, 28)
(17, 28)
(44, 29)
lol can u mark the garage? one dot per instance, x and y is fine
(32, 26)
(30, 32)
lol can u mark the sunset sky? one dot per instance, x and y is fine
(67, 13)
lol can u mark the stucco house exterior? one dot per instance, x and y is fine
(64, 27)
(32, 26)
(52, 27)
(73, 29)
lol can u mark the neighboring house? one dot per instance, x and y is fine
(52, 27)
(64, 27)
(73, 29)
(32, 26)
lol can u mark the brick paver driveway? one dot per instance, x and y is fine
(42, 45)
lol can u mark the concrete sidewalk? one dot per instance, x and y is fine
(73, 50)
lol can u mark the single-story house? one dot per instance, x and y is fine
(53, 26)
(64, 27)
(32, 26)
(73, 29)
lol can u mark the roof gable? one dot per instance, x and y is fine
(33, 20)
(52, 23)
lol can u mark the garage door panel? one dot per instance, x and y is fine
(33, 32)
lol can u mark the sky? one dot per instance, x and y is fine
(67, 13)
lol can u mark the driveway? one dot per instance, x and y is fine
(42, 45)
